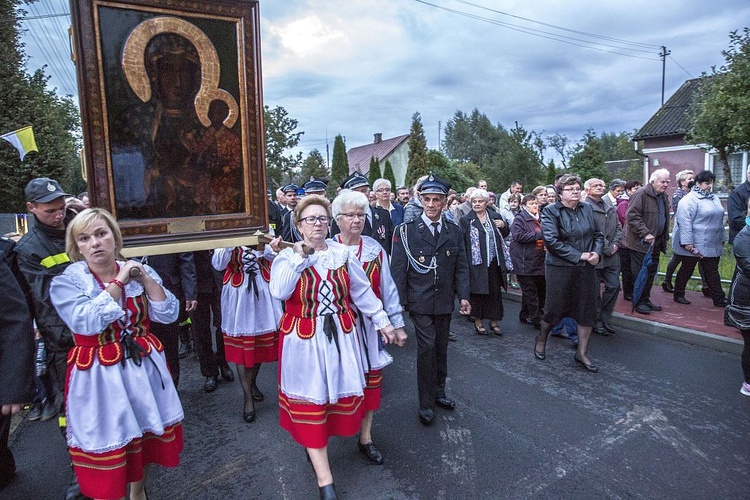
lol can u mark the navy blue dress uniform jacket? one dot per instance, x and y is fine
(434, 292)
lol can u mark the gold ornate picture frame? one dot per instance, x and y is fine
(172, 115)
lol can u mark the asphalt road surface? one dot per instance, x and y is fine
(661, 419)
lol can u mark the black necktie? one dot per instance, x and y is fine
(435, 232)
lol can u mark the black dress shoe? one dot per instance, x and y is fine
(371, 452)
(327, 492)
(599, 330)
(446, 403)
(248, 416)
(706, 292)
(720, 303)
(257, 395)
(210, 384)
(667, 287)
(591, 367)
(426, 416)
(652, 306)
(642, 309)
(680, 299)
(226, 372)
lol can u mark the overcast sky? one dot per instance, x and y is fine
(357, 67)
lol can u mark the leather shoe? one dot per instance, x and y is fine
(681, 300)
(327, 492)
(371, 452)
(257, 395)
(446, 403)
(226, 372)
(609, 329)
(667, 287)
(210, 384)
(720, 303)
(599, 330)
(642, 309)
(652, 306)
(426, 416)
(591, 367)
(248, 416)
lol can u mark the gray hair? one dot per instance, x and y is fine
(379, 182)
(470, 190)
(479, 193)
(658, 173)
(348, 198)
(616, 183)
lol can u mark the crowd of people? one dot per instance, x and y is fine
(325, 298)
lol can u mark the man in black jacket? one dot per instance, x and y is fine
(16, 357)
(737, 207)
(431, 270)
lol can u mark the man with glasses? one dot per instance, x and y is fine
(382, 188)
(430, 268)
(378, 224)
(647, 230)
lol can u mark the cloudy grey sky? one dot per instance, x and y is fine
(357, 67)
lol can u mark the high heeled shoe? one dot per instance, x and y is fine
(590, 367)
(257, 395)
(540, 355)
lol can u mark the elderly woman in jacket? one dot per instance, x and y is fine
(740, 295)
(699, 236)
(483, 235)
(574, 248)
(527, 254)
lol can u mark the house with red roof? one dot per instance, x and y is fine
(395, 150)
(664, 144)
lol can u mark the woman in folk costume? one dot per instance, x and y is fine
(249, 316)
(321, 372)
(349, 209)
(122, 410)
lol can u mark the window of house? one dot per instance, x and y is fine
(737, 165)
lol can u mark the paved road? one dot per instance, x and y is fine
(662, 419)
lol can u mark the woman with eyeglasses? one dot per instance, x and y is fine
(321, 370)
(574, 247)
(349, 212)
(249, 316)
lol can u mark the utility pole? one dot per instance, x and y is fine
(663, 54)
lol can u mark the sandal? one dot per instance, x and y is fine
(481, 330)
(496, 329)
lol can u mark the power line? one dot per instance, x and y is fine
(679, 66)
(543, 34)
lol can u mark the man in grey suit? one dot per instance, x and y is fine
(430, 268)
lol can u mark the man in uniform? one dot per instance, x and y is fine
(430, 268)
(378, 223)
(288, 231)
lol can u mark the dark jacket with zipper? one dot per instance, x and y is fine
(479, 273)
(570, 232)
(527, 250)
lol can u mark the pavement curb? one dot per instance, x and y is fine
(687, 335)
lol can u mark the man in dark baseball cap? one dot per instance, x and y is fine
(43, 190)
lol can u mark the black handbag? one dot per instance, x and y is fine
(735, 315)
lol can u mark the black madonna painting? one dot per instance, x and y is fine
(171, 106)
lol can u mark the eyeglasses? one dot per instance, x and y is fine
(353, 216)
(383, 190)
(572, 190)
(323, 219)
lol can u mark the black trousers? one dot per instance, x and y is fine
(636, 261)
(709, 270)
(7, 462)
(533, 297)
(627, 272)
(203, 336)
(432, 355)
(169, 335)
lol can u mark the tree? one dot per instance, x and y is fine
(374, 170)
(551, 172)
(561, 144)
(440, 165)
(720, 112)
(517, 159)
(388, 173)
(587, 160)
(313, 166)
(417, 166)
(472, 138)
(339, 165)
(281, 135)
(25, 100)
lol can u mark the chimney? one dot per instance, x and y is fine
(378, 138)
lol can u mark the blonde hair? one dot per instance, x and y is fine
(81, 223)
(312, 199)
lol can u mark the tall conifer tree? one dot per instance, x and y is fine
(418, 165)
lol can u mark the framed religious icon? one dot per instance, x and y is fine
(172, 114)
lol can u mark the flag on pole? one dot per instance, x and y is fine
(22, 139)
